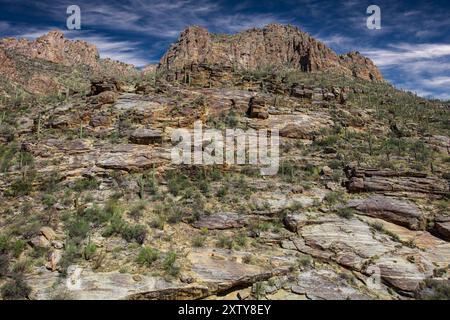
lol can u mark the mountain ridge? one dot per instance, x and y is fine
(274, 45)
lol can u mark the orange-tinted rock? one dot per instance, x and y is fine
(274, 45)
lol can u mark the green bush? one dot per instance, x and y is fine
(225, 242)
(85, 184)
(170, 265)
(97, 216)
(136, 211)
(16, 289)
(18, 247)
(78, 228)
(346, 213)
(434, 290)
(147, 256)
(89, 251)
(4, 244)
(70, 255)
(4, 264)
(177, 183)
(116, 226)
(241, 240)
(136, 233)
(198, 241)
(327, 141)
(21, 186)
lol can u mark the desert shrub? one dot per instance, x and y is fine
(4, 243)
(223, 191)
(198, 241)
(18, 247)
(89, 251)
(97, 216)
(177, 183)
(225, 242)
(346, 213)
(333, 197)
(78, 228)
(136, 211)
(304, 261)
(170, 265)
(4, 264)
(21, 267)
(327, 141)
(48, 200)
(69, 256)
(147, 256)
(377, 226)
(174, 214)
(16, 289)
(248, 259)
(241, 240)
(159, 222)
(7, 154)
(22, 186)
(116, 226)
(258, 290)
(434, 290)
(136, 233)
(85, 184)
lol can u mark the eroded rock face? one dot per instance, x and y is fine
(404, 213)
(146, 136)
(221, 221)
(442, 227)
(372, 180)
(85, 284)
(353, 244)
(274, 45)
(132, 158)
(324, 285)
(257, 108)
(54, 47)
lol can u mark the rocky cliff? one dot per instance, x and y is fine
(54, 47)
(273, 46)
(52, 63)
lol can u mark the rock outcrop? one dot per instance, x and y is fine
(54, 47)
(272, 46)
(404, 213)
(374, 180)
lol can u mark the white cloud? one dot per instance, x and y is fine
(401, 53)
(437, 82)
(125, 51)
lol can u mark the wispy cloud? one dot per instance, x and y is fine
(402, 53)
(126, 51)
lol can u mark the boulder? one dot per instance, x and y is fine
(374, 180)
(257, 108)
(133, 158)
(326, 285)
(48, 233)
(442, 227)
(404, 213)
(146, 136)
(106, 97)
(221, 221)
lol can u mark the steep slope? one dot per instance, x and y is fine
(51, 64)
(274, 45)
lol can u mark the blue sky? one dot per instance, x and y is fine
(412, 48)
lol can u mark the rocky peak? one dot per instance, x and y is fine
(273, 45)
(54, 47)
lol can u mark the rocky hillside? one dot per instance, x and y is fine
(255, 49)
(359, 208)
(53, 64)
